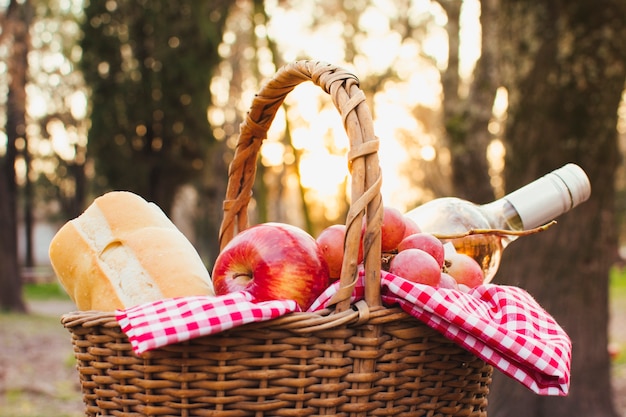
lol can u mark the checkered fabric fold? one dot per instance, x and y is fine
(502, 325)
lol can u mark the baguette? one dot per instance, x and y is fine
(123, 251)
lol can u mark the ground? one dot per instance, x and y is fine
(37, 368)
(37, 374)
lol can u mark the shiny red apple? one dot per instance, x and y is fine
(417, 266)
(272, 261)
(331, 241)
(410, 227)
(464, 269)
(447, 281)
(426, 242)
(392, 229)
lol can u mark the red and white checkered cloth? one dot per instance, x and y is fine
(503, 325)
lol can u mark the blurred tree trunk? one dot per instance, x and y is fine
(211, 209)
(466, 117)
(17, 23)
(564, 65)
(27, 195)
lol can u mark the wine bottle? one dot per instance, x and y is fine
(531, 206)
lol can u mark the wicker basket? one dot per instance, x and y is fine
(350, 360)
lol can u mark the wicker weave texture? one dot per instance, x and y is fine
(265, 370)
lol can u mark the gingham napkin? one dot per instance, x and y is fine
(173, 320)
(503, 325)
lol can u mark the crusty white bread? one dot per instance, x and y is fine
(123, 251)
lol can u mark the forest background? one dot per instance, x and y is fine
(470, 98)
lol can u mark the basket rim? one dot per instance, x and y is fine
(303, 322)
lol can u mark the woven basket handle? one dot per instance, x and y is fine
(366, 200)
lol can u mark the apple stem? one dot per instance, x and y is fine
(498, 232)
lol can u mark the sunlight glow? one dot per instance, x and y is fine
(290, 27)
(428, 153)
(621, 115)
(78, 105)
(272, 154)
(501, 102)
(323, 172)
(495, 154)
(470, 42)
(3, 143)
(36, 104)
(437, 47)
(61, 140)
(317, 134)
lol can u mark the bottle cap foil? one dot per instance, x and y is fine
(576, 181)
(551, 195)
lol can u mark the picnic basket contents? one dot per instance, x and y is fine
(371, 343)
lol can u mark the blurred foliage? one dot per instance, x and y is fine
(148, 65)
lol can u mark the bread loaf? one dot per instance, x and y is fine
(123, 251)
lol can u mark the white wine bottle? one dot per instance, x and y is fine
(531, 206)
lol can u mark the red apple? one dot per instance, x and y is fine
(410, 227)
(392, 229)
(447, 281)
(464, 288)
(272, 261)
(426, 242)
(330, 242)
(417, 266)
(464, 269)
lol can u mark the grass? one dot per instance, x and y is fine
(45, 385)
(617, 299)
(617, 282)
(18, 404)
(46, 291)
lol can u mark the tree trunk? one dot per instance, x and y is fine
(17, 22)
(10, 296)
(466, 118)
(472, 157)
(29, 220)
(565, 68)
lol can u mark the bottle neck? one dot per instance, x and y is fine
(503, 215)
(540, 201)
